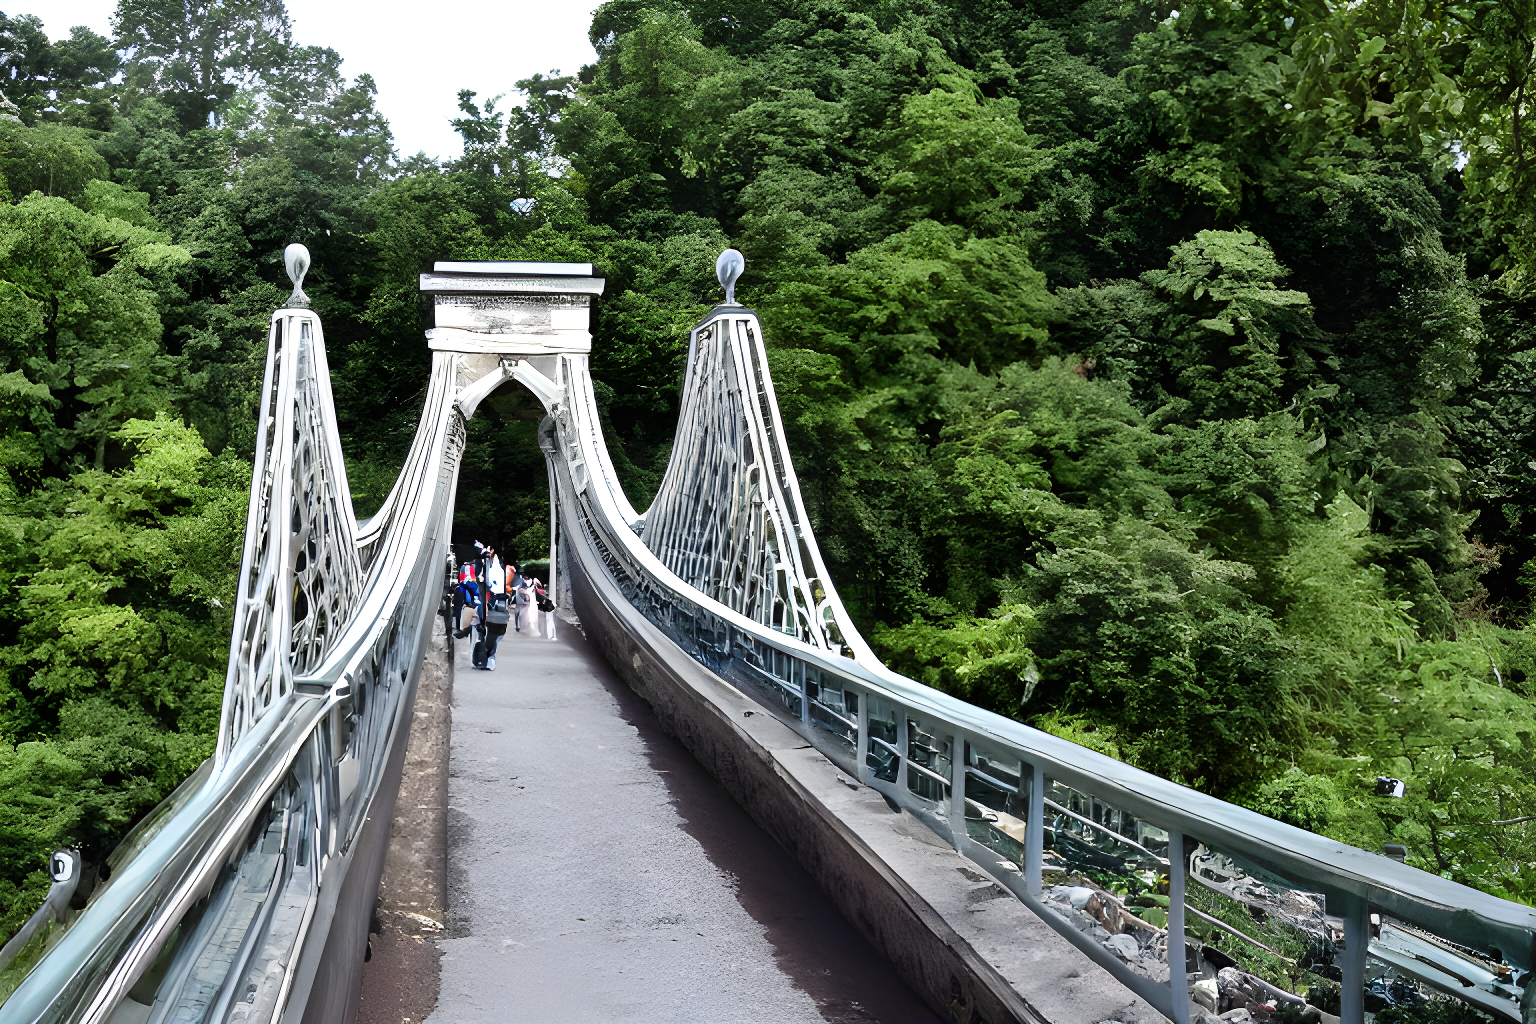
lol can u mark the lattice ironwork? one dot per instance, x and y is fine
(726, 518)
(300, 573)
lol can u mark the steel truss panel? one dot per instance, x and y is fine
(727, 518)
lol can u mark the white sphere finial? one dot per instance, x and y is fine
(296, 259)
(64, 865)
(728, 268)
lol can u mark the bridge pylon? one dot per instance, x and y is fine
(246, 896)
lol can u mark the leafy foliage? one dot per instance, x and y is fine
(1160, 378)
(1142, 367)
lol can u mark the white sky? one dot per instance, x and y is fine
(419, 62)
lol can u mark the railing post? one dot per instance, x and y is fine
(902, 746)
(797, 667)
(1357, 939)
(1034, 831)
(554, 530)
(861, 758)
(1178, 980)
(957, 792)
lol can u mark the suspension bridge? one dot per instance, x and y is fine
(248, 894)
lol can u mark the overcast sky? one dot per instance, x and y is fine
(420, 54)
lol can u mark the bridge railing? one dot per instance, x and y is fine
(1120, 862)
(221, 905)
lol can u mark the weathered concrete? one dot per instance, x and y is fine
(973, 955)
(334, 996)
(598, 873)
(400, 981)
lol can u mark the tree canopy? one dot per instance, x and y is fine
(1165, 379)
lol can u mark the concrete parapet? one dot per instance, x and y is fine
(400, 980)
(972, 951)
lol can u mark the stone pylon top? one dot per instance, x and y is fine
(511, 307)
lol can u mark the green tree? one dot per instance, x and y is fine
(54, 159)
(83, 344)
(193, 54)
(1464, 79)
(114, 624)
(1159, 379)
(68, 80)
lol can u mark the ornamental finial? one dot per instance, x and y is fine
(728, 268)
(296, 259)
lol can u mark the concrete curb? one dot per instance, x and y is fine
(745, 748)
(401, 978)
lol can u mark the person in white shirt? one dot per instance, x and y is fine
(495, 575)
(546, 606)
(524, 596)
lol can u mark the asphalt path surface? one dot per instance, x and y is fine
(596, 872)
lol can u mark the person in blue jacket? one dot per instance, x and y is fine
(466, 592)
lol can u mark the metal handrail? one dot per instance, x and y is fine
(1353, 879)
(215, 816)
(119, 934)
(173, 860)
(1343, 870)
(784, 684)
(1219, 923)
(990, 780)
(1116, 836)
(850, 723)
(926, 771)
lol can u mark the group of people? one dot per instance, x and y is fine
(499, 596)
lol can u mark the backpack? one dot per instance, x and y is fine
(496, 612)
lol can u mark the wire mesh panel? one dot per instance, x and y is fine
(1087, 835)
(1107, 873)
(834, 707)
(930, 755)
(996, 800)
(1258, 941)
(778, 677)
(881, 754)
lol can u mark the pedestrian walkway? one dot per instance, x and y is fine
(596, 872)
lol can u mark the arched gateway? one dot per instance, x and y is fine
(247, 895)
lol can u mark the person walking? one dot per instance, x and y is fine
(514, 584)
(486, 569)
(491, 631)
(547, 611)
(465, 592)
(525, 598)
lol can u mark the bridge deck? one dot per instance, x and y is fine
(597, 872)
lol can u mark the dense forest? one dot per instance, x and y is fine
(1165, 379)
